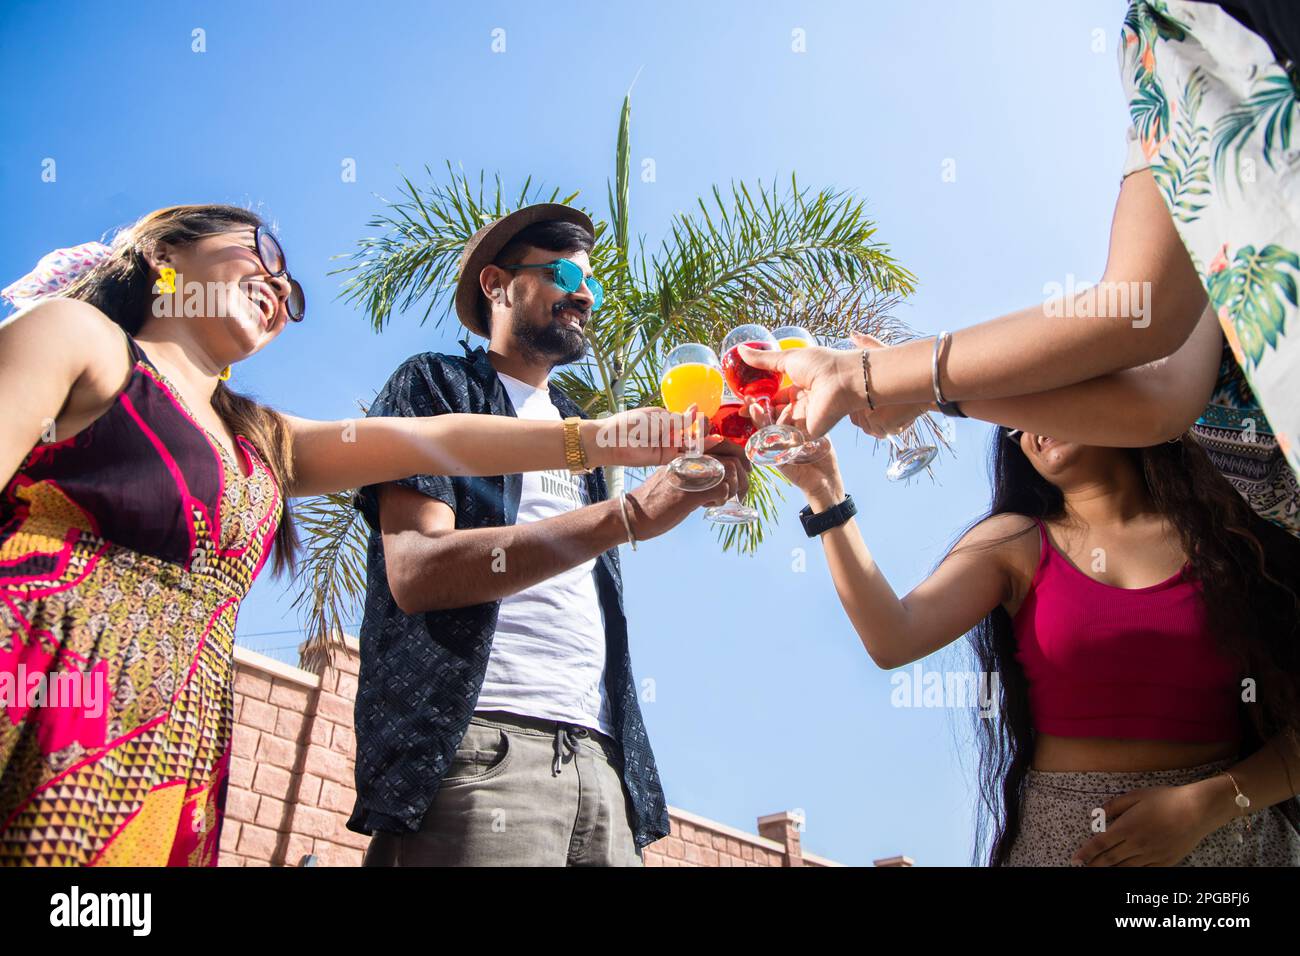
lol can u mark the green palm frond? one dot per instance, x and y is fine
(331, 575)
(416, 253)
(757, 241)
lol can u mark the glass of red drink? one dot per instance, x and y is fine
(735, 428)
(769, 444)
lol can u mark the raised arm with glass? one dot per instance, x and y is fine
(693, 376)
(769, 444)
(794, 337)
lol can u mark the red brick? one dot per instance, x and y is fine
(347, 686)
(344, 740)
(290, 695)
(338, 709)
(229, 859)
(229, 837)
(746, 852)
(704, 838)
(673, 848)
(241, 772)
(322, 729)
(289, 724)
(272, 781)
(333, 855)
(256, 861)
(328, 764)
(241, 804)
(309, 789)
(686, 833)
(693, 854)
(253, 684)
(346, 661)
(243, 741)
(358, 841)
(277, 751)
(270, 814)
(733, 846)
(719, 841)
(334, 796)
(296, 847)
(259, 714)
(312, 821)
(256, 842)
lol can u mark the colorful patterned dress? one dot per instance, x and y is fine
(124, 553)
(1213, 116)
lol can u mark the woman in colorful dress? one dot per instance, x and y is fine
(142, 497)
(1205, 248)
(1143, 628)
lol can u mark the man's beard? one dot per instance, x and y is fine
(554, 343)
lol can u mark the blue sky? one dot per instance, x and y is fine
(764, 698)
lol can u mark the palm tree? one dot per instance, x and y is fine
(747, 253)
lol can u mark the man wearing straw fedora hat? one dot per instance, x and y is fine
(497, 718)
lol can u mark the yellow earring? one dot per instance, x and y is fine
(225, 374)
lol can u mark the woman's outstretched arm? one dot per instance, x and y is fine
(333, 456)
(1144, 308)
(1133, 408)
(972, 580)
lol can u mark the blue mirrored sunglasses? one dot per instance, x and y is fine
(567, 274)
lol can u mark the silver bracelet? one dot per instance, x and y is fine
(622, 510)
(934, 368)
(946, 407)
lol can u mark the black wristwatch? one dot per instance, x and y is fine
(815, 524)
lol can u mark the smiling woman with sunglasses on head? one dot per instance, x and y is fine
(142, 496)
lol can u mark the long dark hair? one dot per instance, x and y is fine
(121, 286)
(1249, 573)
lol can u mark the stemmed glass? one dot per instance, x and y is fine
(735, 428)
(907, 461)
(794, 337)
(693, 376)
(767, 445)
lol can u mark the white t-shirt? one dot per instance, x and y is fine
(548, 653)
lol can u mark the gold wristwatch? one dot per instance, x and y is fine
(574, 454)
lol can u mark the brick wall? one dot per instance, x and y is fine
(291, 779)
(291, 769)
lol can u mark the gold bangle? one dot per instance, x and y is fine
(575, 456)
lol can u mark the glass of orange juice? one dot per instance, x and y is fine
(795, 337)
(693, 376)
(792, 337)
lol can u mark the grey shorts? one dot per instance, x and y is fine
(522, 792)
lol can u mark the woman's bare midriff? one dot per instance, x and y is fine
(1073, 754)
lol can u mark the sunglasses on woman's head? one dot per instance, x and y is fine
(1013, 434)
(271, 254)
(567, 274)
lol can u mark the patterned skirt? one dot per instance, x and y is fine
(1059, 808)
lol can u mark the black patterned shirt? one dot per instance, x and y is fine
(421, 673)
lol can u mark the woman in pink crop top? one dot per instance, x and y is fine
(1143, 627)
